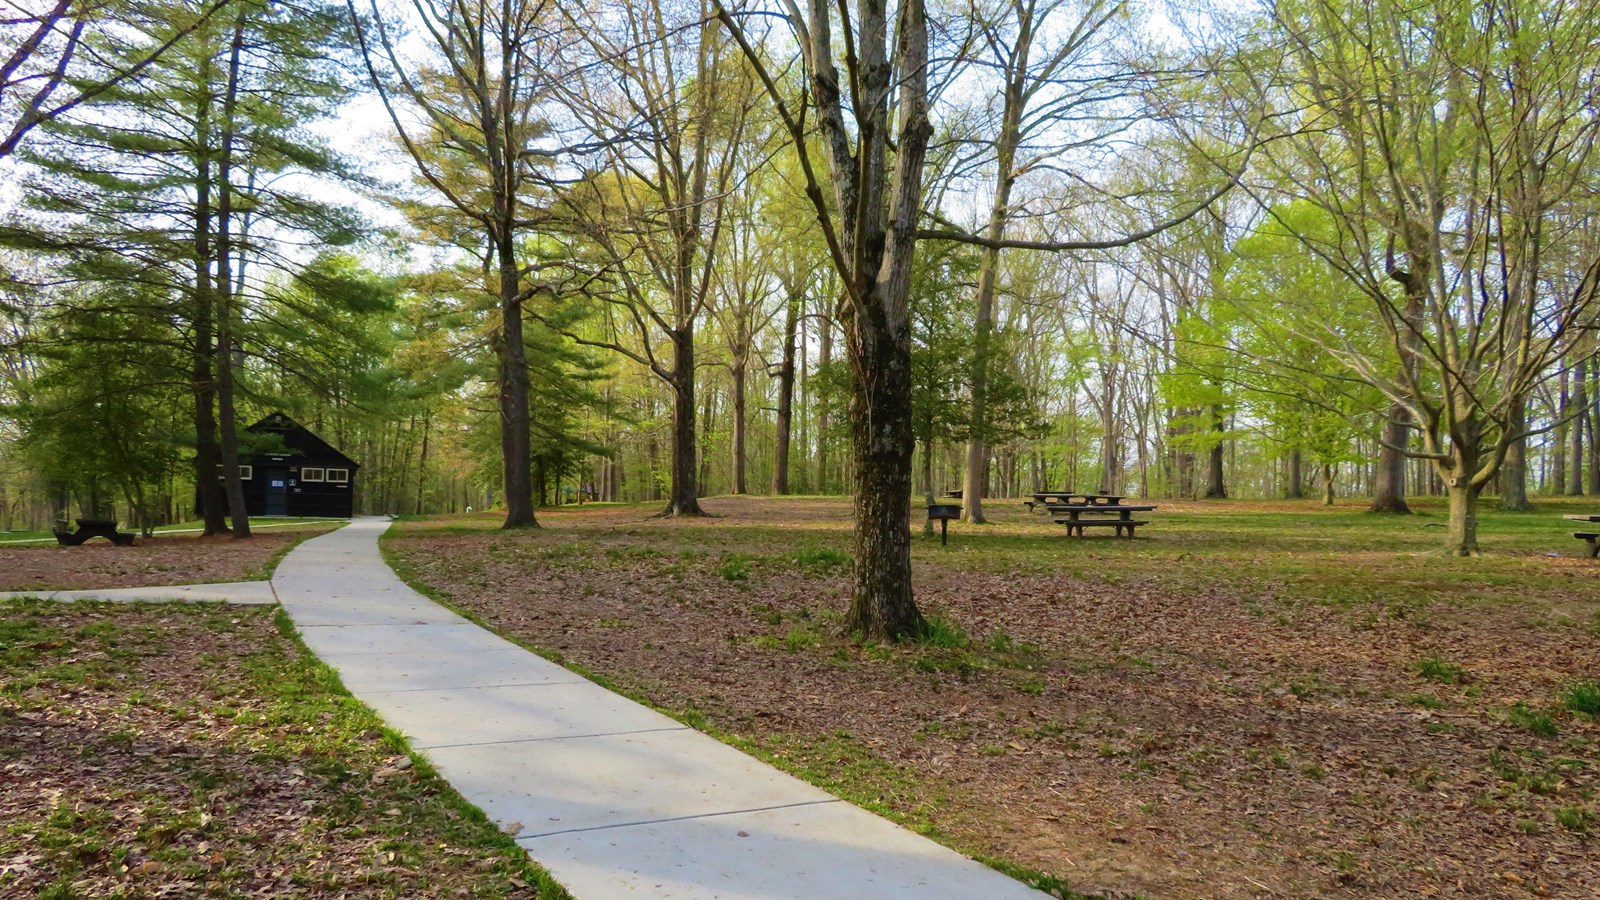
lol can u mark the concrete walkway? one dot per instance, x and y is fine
(616, 800)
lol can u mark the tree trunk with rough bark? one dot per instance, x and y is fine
(881, 603)
(1580, 399)
(1514, 470)
(1557, 482)
(1216, 486)
(516, 441)
(824, 424)
(228, 419)
(208, 455)
(1462, 537)
(738, 374)
(786, 375)
(684, 496)
(1389, 476)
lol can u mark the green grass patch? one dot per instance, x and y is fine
(942, 633)
(1583, 697)
(1575, 818)
(1535, 721)
(821, 559)
(735, 567)
(1441, 671)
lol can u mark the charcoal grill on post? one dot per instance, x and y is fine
(944, 512)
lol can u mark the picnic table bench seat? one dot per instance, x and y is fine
(1124, 526)
(1592, 538)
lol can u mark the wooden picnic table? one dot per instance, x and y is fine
(1078, 516)
(90, 528)
(1592, 538)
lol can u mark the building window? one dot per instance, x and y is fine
(339, 476)
(310, 474)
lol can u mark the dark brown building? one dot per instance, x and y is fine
(299, 474)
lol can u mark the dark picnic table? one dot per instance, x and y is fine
(1079, 510)
(91, 528)
(1078, 516)
(1592, 538)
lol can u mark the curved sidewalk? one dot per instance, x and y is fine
(613, 798)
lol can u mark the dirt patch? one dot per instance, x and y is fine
(150, 562)
(191, 751)
(1126, 738)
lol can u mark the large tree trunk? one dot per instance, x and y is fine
(975, 481)
(780, 453)
(422, 461)
(516, 443)
(1181, 477)
(739, 485)
(1216, 486)
(1328, 472)
(1389, 485)
(825, 359)
(1389, 481)
(1514, 469)
(927, 487)
(1296, 482)
(1557, 482)
(238, 513)
(1110, 462)
(1463, 530)
(1580, 399)
(207, 454)
(684, 496)
(1591, 418)
(881, 605)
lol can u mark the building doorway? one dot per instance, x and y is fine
(277, 492)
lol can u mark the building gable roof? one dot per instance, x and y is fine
(300, 441)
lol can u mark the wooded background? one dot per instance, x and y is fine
(1297, 249)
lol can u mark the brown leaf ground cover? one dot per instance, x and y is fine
(1259, 700)
(197, 751)
(151, 562)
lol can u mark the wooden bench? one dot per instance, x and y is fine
(1593, 538)
(1076, 526)
(92, 528)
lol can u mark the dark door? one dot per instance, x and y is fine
(277, 492)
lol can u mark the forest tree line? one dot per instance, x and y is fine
(662, 249)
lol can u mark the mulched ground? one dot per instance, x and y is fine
(150, 562)
(1129, 739)
(185, 751)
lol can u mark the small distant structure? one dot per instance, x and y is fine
(306, 477)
